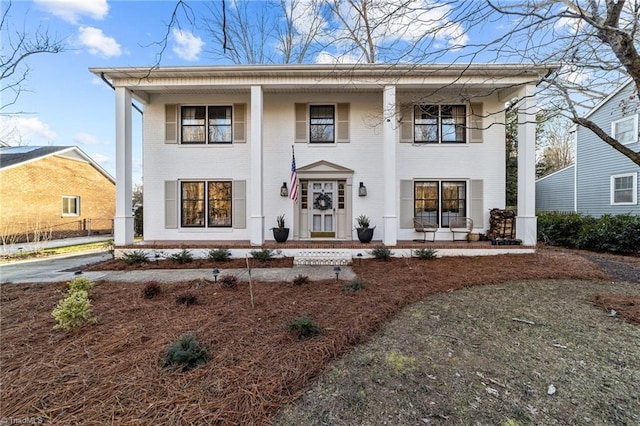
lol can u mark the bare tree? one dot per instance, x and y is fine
(555, 143)
(17, 47)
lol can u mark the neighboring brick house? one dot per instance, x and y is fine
(53, 191)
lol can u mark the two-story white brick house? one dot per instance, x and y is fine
(423, 140)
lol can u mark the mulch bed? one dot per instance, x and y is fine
(110, 371)
(119, 265)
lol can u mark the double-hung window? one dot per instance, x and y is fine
(440, 123)
(440, 201)
(205, 204)
(322, 123)
(70, 205)
(625, 130)
(206, 124)
(624, 189)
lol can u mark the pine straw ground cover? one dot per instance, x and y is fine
(110, 372)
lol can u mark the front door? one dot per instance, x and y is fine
(322, 211)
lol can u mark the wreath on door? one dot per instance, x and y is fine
(322, 202)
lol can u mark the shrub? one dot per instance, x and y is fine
(73, 310)
(300, 280)
(619, 234)
(381, 252)
(219, 255)
(80, 283)
(187, 298)
(355, 285)
(304, 327)
(228, 281)
(186, 353)
(135, 257)
(262, 255)
(110, 247)
(426, 254)
(151, 289)
(182, 257)
(561, 229)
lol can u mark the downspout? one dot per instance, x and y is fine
(111, 85)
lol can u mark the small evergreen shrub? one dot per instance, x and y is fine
(186, 353)
(262, 255)
(561, 229)
(301, 280)
(219, 255)
(187, 298)
(618, 234)
(228, 281)
(182, 257)
(110, 247)
(355, 285)
(426, 254)
(151, 289)
(135, 257)
(80, 283)
(304, 327)
(73, 310)
(381, 252)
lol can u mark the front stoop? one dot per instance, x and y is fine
(322, 257)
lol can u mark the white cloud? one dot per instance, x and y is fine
(72, 10)
(85, 139)
(188, 46)
(328, 58)
(98, 43)
(26, 131)
(101, 159)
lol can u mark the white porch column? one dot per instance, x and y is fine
(389, 140)
(123, 220)
(256, 219)
(526, 221)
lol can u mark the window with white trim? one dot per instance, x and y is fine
(206, 204)
(206, 124)
(440, 201)
(624, 189)
(70, 205)
(322, 123)
(440, 123)
(625, 130)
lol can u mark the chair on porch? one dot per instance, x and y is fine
(425, 226)
(461, 225)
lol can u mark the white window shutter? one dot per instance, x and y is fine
(302, 130)
(239, 123)
(239, 204)
(406, 124)
(342, 133)
(477, 203)
(171, 123)
(476, 123)
(406, 204)
(170, 204)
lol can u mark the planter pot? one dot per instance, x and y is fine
(365, 235)
(280, 234)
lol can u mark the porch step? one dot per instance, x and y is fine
(322, 257)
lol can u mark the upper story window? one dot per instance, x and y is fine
(70, 205)
(440, 123)
(624, 189)
(322, 123)
(206, 204)
(206, 124)
(625, 130)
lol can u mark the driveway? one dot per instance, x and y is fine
(52, 269)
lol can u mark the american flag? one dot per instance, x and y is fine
(293, 194)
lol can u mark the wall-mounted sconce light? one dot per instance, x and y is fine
(284, 192)
(362, 190)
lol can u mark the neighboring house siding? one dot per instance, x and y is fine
(556, 192)
(597, 161)
(32, 196)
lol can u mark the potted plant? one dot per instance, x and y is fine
(365, 233)
(280, 233)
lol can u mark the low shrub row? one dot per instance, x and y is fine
(609, 233)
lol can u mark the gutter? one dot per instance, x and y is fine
(111, 85)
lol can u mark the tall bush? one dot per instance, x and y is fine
(561, 229)
(619, 234)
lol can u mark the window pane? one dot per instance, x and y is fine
(426, 123)
(426, 201)
(623, 189)
(192, 201)
(453, 123)
(454, 201)
(70, 205)
(193, 124)
(322, 123)
(220, 124)
(624, 130)
(219, 204)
